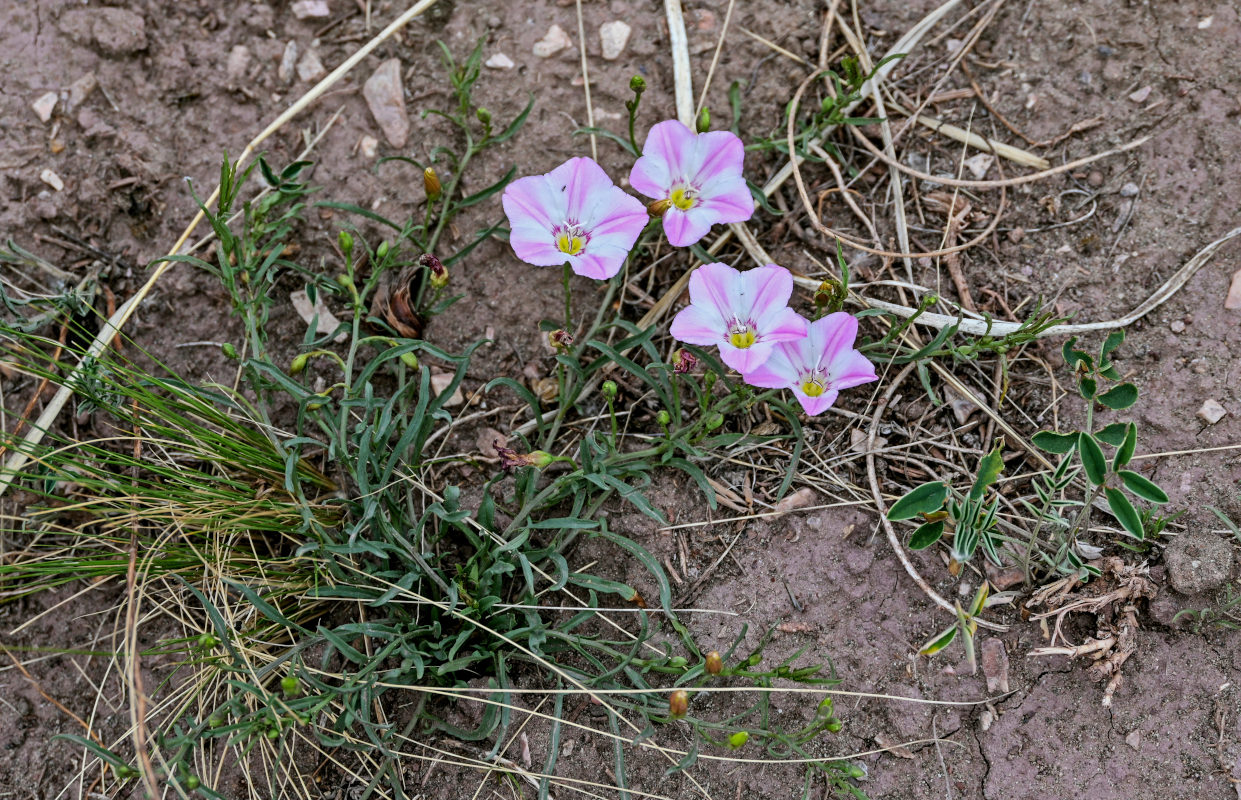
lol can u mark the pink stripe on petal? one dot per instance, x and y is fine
(747, 360)
(697, 325)
(535, 246)
(710, 286)
(786, 325)
(652, 177)
(766, 291)
(599, 266)
(719, 154)
(685, 228)
(833, 335)
(531, 199)
(816, 405)
(735, 204)
(849, 369)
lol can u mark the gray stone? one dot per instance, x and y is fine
(385, 95)
(115, 31)
(310, 68)
(238, 62)
(288, 62)
(1198, 561)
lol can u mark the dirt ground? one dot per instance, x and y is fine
(168, 106)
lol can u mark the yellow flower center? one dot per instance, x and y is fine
(741, 335)
(572, 245)
(812, 387)
(684, 198)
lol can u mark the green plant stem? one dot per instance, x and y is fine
(566, 276)
(450, 191)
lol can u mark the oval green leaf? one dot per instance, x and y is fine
(1125, 451)
(1143, 487)
(1058, 443)
(926, 535)
(923, 500)
(1113, 434)
(1125, 513)
(1119, 397)
(940, 641)
(989, 468)
(1092, 458)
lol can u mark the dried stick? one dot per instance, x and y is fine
(682, 79)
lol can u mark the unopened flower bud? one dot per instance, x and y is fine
(663, 418)
(191, 782)
(431, 182)
(299, 364)
(484, 116)
(439, 272)
(345, 240)
(345, 282)
(207, 641)
(703, 123)
(560, 340)
(679, 662)
(272, 733)
(229, 351)
(638, 84)
(823, 295)
(658, 207)
(678, 703)
(511, 459)
(608, 390)
(290, 685)
(834, 726)
(410, 360)
(714, 421)
(738, 740)
(683, 361)
(715, 664)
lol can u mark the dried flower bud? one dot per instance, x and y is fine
(678, 703)
(637, 84)
(608, 390)
(658, 207)
(299, 364)
(823, 295)
(510, 459)
(560, 340)
(715, 664)
(703, 123)
(345, 240)
(439, 272)
(431, 182)
(683, 361)
(738, 740)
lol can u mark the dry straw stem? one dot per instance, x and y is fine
(1014, 154)
(679, 43)
(117, 321)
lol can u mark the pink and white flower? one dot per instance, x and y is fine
(817, 367)
(744, 313)
(576, 214)
(698, 174)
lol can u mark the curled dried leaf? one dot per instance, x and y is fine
(394, 303)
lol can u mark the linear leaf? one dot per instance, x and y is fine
(1143, 487)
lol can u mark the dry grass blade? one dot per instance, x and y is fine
(682, 79)
(1014, 154)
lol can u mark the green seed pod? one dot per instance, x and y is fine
(345, 240)
(738, 740)
(272, 733)
(663, 418)
(835, 725)
(299, 364)
(410, 360)
(857, 772)
(714, 421)
(290, 685)
(703, 123)
(191, 782)
(208, 642)
(679, 662)
(216, 721)
(484, 116)
(229, 351)
(382, 251)
(754, 660)
(608, 390)
(638, 84)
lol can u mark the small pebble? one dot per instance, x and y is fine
(288, 62)
(499, 61)
(368, 147)
(494, 21)
(552, 43)
(1095, 179)
(385, 95)
(310, 68)
(613, 36)
(238, 62)
(1105, 51)
(311, 9)
(1177, 326)
(1129, 190)
(52, 179)
(79, 90)
(1141, 94)
(1134, 740)
(1211, 411)
(45, 105)
(1205, 22)
(1233, 301)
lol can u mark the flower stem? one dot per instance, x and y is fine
(568, 298)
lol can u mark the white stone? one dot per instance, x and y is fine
(385, 95)
(1141, 94)
(1233, 301)
(368, 147)
(613, 36)
(45, 105)
(551, 44)
(52, 179)
(238, 62)
(79, 90)
(325, 321)
(499, 61)
(310, 68)
(1211, 411)
(1205, 22)
(288, 62)
(979, 164)
(311, 9)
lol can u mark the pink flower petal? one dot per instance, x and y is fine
(718, 154)
(775, 373)
(765, 291)
(699, 325)
(532, 199)
(785, 325)
(685, 228)
(596, 265)
(745, 360)
(669, 146)
(849, 369)
(580, 181)
(534, 245)
(816, 405)
(711, 285)
(832, 335)
(729, 202)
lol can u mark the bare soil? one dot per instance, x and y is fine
(167, 109)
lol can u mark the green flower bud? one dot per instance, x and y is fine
(754, 660)
(608, 390)
(857, 772)
(638, 84)
(484, 116)
(229, 351)
(290, 685)
(835, 725)
(738, 740)
(272, 733)
(703, 123)
(344, 281)
(345, 240)
(382, 251)
(299, 364)
(679, 662)
(191, 782)
(714, 421)
(663, 418)
(208, 641)
(410, 360)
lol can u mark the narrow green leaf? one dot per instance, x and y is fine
(989, 468)
(1119, 397)
(1113, 434)
(939, 642)
(1143, 487)
(923, 500)
(1125, 513)
(1092, 458)
(926, 535)
(1125, 451)
(1058, 443)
